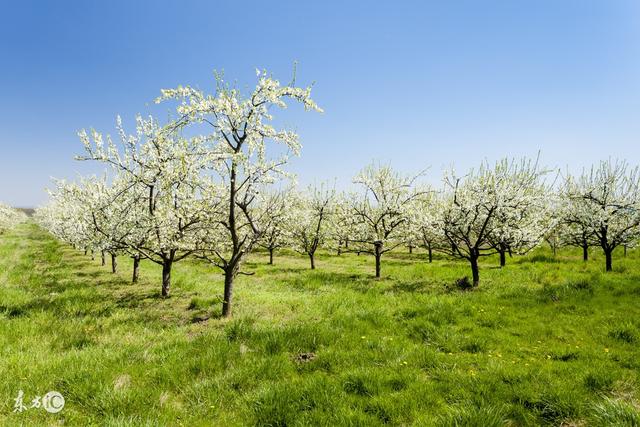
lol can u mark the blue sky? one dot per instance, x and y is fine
(415, 84)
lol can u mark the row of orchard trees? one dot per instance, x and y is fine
(220, 193)
(504, 209)
(166, 196)
(507, 208)
(10, 217)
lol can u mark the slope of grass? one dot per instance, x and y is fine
(544, 341)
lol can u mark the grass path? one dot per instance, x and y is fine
(545, 341)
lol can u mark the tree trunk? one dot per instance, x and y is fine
(503, 256)
(104, 262)
(313, 262)
(608, 260)
(93, 255)
(85, 251)
(474, 268)
(271, 256)
(430, 252)
(114, 263)
(625, 251)
(378, 255)
(232, 267)
(136, 269)
(410, 249)
(585, 252)
(166, 277)
(228, 292)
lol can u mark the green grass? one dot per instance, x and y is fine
(544, 341)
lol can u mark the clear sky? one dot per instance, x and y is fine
(415, 84)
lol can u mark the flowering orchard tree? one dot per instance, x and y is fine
(88, 215)
(571, 231)
(10, 217)
(239, 144)
(114, 217)
(310, 227)
(94, 197)
(67, 218)
(275, 232)
(523, 220)
(577, 235)
(425, 223)
(342, 229)
(487, 204)
(606, 203)
(74, 214)
(162, 191)
(380, 214)
(555, 224)
(519, 232)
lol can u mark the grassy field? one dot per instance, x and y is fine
(544, 341)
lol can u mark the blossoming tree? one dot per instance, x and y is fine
(606, 204)
(490, 203)
(378, 216)
(425, 223)
(162, 192)
(10, 217)
(310, 227)
(244, 158)
(571, 230)
(275, 231)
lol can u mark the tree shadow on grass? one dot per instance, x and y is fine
(538, 258)
(283, 270)
(138, 298)
(66, 283)
(314, 280)
(89, 274)
(415, 286)
(59, 305)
